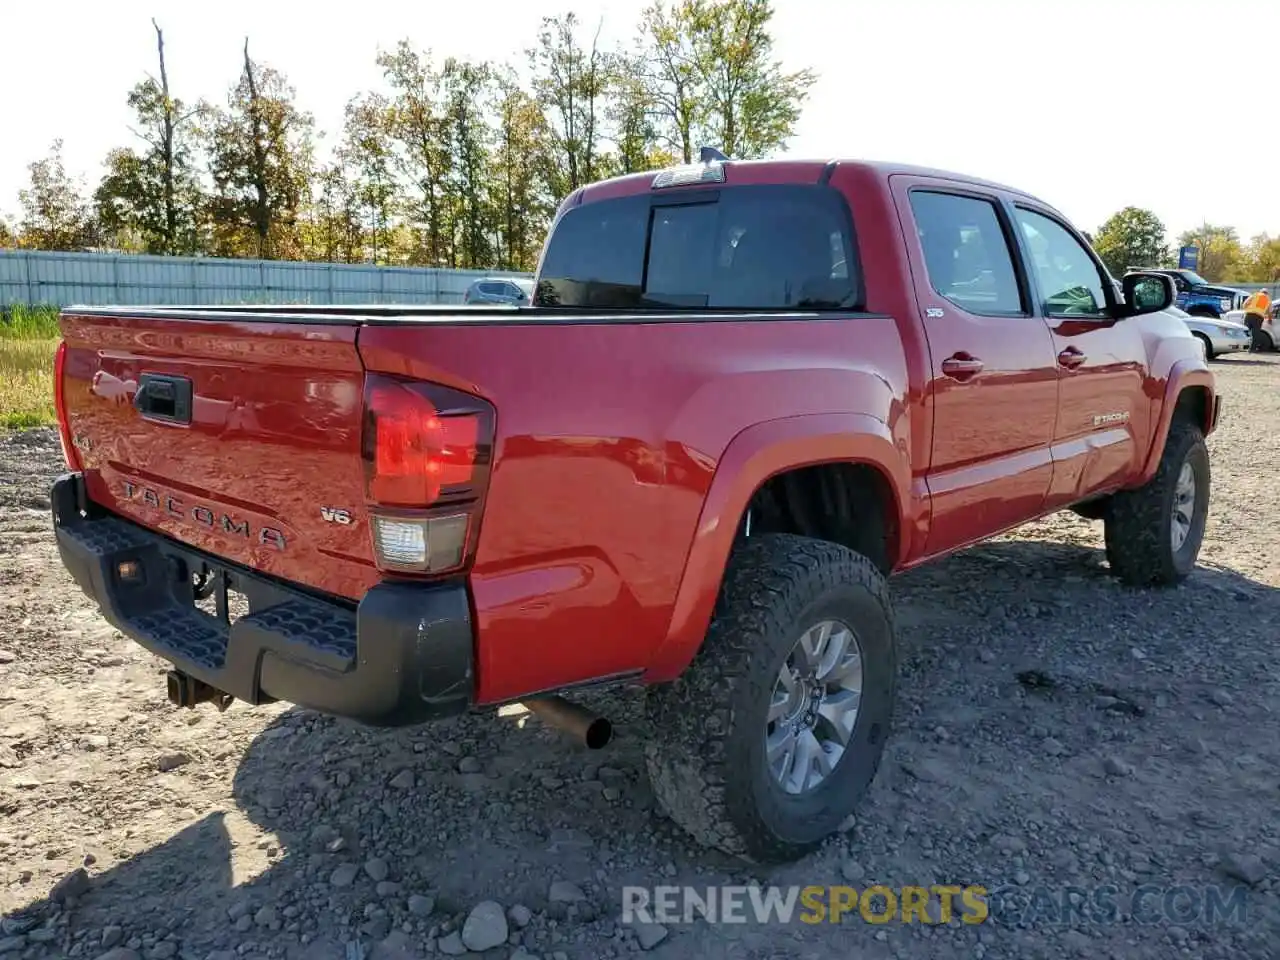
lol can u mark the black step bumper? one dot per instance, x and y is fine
(402, 656)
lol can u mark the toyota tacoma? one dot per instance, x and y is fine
(745, 394)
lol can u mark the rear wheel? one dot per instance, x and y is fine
(770, 738)
(1153, 534)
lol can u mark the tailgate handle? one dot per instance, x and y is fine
(162, 397)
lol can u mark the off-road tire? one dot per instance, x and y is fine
(1138, 536)
(1094, 509)
(706, 752)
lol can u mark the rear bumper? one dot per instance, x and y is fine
(402, 656)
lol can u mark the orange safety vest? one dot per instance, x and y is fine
(1259, 302)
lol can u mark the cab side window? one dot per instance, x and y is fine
(1069, 278)
(966, 253)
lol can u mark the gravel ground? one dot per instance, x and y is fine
(1056, 733)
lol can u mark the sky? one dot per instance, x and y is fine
(1092, 105)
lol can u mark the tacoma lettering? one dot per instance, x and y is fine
(204, 516)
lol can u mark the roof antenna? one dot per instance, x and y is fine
(711, 155)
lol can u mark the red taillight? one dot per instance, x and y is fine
(60, 406)
(426, 455)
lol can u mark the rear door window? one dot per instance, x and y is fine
(749, 248)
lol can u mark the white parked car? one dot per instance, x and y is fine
(1217, 336)
(1270, 326)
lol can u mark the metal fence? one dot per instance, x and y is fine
(1272, 288)
(97, 279)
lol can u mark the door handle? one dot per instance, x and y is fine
(1071, 358)
(962, 366)
(166, 398)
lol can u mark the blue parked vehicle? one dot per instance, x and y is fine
(1197, 296)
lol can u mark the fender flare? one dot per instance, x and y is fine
(1189, 372)
(753, 456)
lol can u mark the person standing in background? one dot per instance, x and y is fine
(1255, 311)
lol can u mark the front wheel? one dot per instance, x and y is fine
(1206, 347)
(770, 738)
(1153, 534)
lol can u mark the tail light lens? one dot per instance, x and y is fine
(426, 451)
(60, 406)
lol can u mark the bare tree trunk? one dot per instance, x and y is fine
(170, 122)
(593, 93)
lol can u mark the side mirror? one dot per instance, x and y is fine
(1146, 293)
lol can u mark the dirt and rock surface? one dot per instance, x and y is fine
(1061, 740)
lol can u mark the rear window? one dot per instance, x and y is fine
(739, 248)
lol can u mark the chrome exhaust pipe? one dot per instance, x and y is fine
(590, 729)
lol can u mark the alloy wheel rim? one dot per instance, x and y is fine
(1184, 504)
(814, 706)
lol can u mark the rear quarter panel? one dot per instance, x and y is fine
(608, 439)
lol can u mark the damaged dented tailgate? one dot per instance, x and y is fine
(239, 437)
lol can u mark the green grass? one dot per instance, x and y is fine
(21, 322)
(28, 339)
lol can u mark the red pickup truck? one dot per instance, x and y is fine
(744, 395)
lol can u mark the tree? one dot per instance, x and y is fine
(672, 82)
(709, 71)
(333, 231)
(1220, 251)
(632, 114)
(447, 164)
(420, 134)
(55, 213)
(153, 201)
(467, 88)
(1260, 262)
(121, 199)
(261, 151)
(751, 104)
(366, 153)
(1134, 237)
(571, 84)
(520, 166)
(156, 196)
(7, 238)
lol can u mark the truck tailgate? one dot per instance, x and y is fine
(239, 438)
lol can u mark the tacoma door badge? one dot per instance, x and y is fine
(1103, 418)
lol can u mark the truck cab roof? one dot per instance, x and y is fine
(787, 171)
